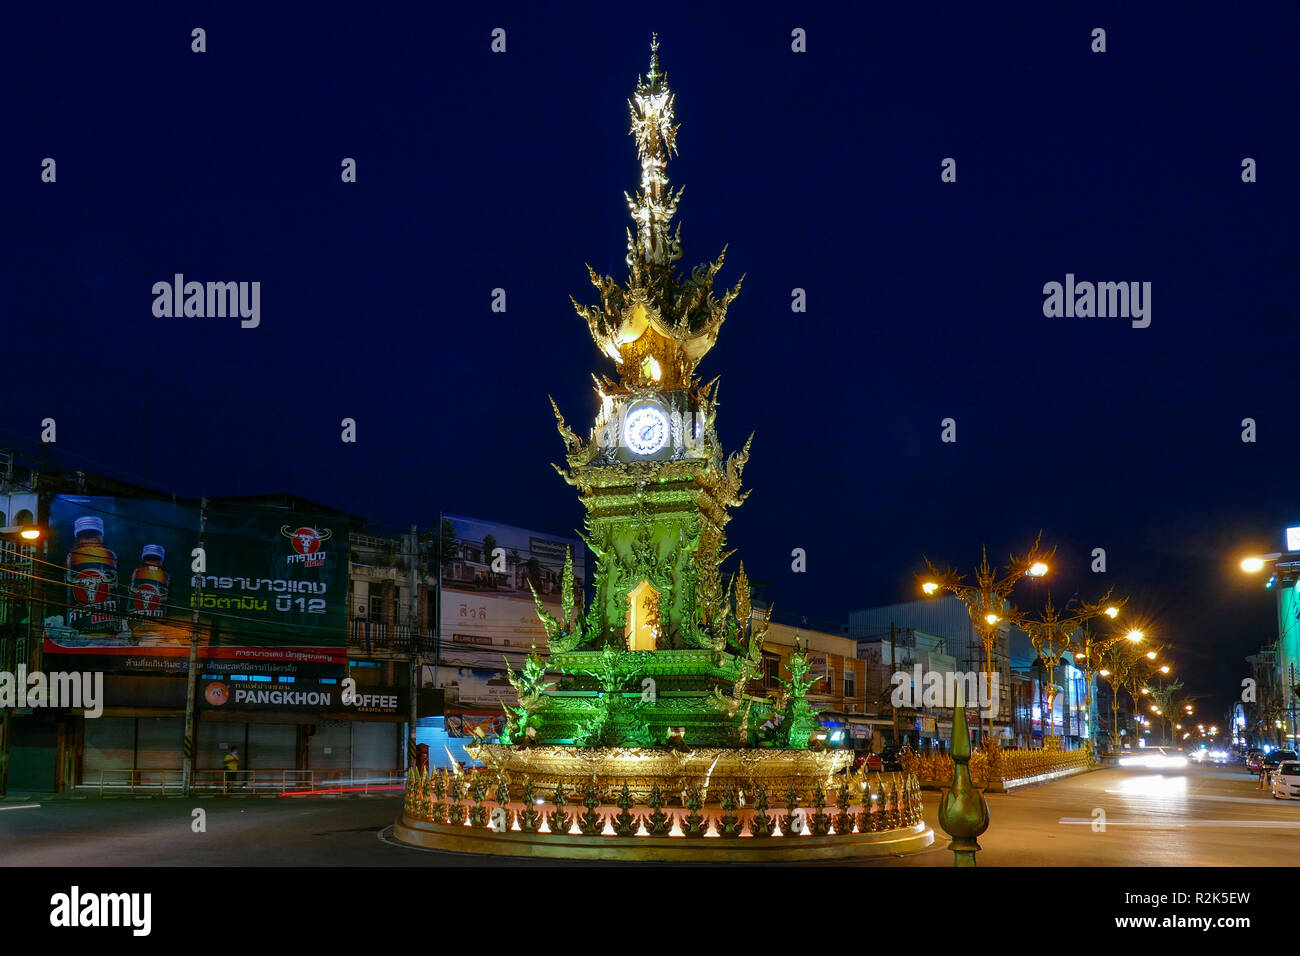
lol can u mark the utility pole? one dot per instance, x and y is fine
(437, 590)
(6, 726)
(413, 554)
(196, 599)
(892, 706)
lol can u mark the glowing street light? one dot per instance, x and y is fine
(987, 597)
(1112, 612)
(1252, 565)
(1135, 636)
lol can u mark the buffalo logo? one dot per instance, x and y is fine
(216, 694)
(146, 598)
(90, 587)
(307, 543)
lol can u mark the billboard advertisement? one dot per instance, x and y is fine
(269, 587)
(486, 557)
(484, 628)
(488, 612)
(471, 687)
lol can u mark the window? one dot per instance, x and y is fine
(850, 681)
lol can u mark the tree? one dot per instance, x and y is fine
(447, 541)
(489, 546)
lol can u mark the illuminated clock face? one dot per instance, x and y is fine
(646, 430)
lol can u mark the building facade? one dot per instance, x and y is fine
(948, 644)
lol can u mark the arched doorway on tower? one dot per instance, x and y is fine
(642, 630)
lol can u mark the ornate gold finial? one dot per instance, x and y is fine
(657, 325)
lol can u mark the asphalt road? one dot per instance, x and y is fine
(1201, 816)
(1198, 817)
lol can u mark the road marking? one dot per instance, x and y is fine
(1153, 825)
(1200, 796)
(23, 806)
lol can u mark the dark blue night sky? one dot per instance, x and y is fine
(821, 170)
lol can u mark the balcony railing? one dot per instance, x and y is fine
(371, 636)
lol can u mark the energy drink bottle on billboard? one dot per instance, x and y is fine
(147, 595)
(91, 579)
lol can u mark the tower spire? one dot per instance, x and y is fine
(657, 325)
(652, 111)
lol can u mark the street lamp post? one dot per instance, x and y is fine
(1052, 633)
(988, 600)
(1286, 571)
(1091, 655)
(26, 537)
(1162, 703)
(1135, 681)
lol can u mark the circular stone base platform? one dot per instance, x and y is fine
(551, 846)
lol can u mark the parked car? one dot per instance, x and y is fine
(1286, 781)
(889, 758)
(1276, 759)
(872, 763)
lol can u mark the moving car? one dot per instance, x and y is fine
(1157, 758)
(1253, 759)
(1286, 781)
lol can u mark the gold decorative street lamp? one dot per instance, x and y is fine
(988, 599)
(1163, 704)
(1092, 655)
(1052, 633)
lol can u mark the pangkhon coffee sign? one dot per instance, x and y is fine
(301, 697)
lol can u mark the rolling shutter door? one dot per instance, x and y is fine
(110, 745)
(271, 747)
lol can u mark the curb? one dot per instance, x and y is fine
(1007, 786)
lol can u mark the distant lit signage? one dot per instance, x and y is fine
(1293, 539)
